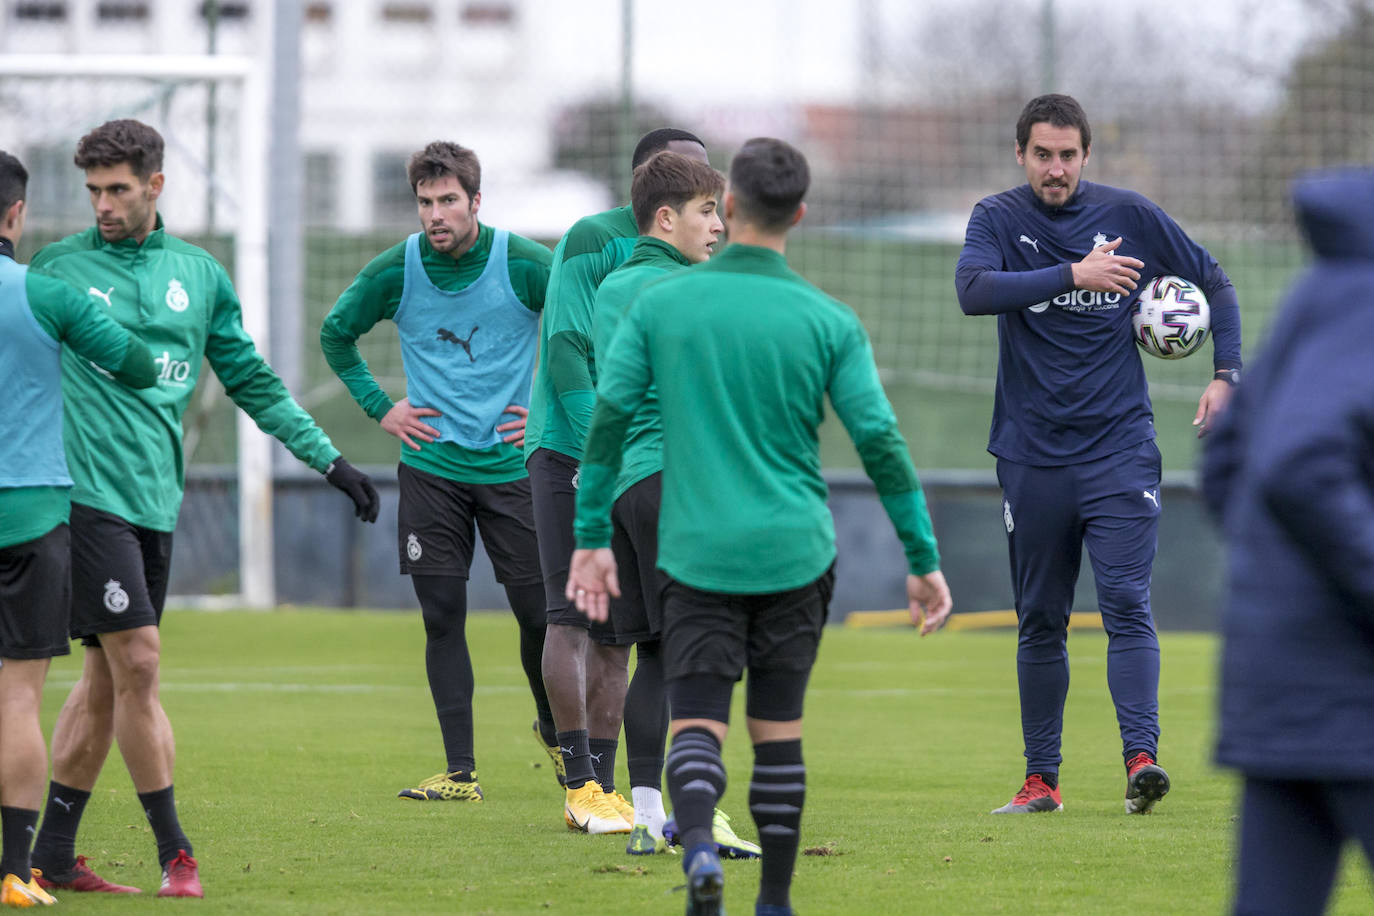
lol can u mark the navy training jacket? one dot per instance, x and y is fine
(1289, 473)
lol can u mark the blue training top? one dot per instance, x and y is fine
(31, 452)
(468, 354)
(1070, 384)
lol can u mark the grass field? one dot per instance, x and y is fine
(295, 730)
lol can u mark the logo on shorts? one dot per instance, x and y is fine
(1151, 497)
(1006, 516)
(116, 599)
(413, 548)
(176, 299)
(577, 479)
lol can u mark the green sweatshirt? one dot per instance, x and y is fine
(650, 259)
(744, 352)
(124, 446)
(28, 512)
(374, 296)
(565, 382)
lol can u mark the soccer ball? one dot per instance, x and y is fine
(1171, 318)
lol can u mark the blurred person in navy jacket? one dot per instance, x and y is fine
(1290, 475)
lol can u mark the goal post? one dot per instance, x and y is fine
(48, 101)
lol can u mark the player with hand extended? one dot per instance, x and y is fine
(746, 539)
(466, 300)
(585, 669)
(125, 453)
(1056, 260)
(38, 315)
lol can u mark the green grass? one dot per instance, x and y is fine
(295, 730)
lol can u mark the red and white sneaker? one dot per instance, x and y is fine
(1035, 796)
(181, 877)
(1146, 783)
(82, 879)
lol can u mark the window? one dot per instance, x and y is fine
(321, 181)
(410, 13)
(393, 202)
(122, 11)
(488, 13)
(40, 12)
(224, 9)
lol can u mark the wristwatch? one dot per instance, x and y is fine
(1229, 376)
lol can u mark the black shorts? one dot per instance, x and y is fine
(119, 574)
(437, 519)
(553, 486)
(36, 596)
(722, 634)
(637, 615)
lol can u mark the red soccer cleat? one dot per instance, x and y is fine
(1146, 783)
(1035, 796)
(82, 879)
(181, 877)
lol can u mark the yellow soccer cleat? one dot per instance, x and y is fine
(16, 893)
(589, 810)
(555, 754)
(460, 785)
(622, 804)
(644, 843)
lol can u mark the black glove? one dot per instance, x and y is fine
(357, 485)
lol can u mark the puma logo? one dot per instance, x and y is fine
(105, 295)
(66, 805)
(446, 334)
(1034, 243)
(1151, 497)
(596, 757)
(567, 751)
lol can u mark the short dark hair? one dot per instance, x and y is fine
(14, 181)
(116, 142)
(768, 179)
(1056, 110)
(442, 159)
(655, 141)
(670, 179)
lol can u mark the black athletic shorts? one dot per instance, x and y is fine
(36, 596)
(437, 519)
(721, 634)
(637, 615)
(553, 486)
(119, 574)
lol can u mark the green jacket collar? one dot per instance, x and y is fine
(155, 239)
(650, 250)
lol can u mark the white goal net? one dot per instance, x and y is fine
(212, 113)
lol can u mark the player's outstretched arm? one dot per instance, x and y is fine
(592, 581)
(1104, 271)
(929, 601)
(358, 487)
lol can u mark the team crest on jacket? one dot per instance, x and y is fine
(177, 300)
(1100, 239)
(413, 548)
(116, 599)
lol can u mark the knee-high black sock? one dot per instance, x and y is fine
(646, 718)
(602, 752)
(161, 810)
(444, 606)
(54, 850)
(17, 827)
(529, 607)
(777, 795)
(696, 781)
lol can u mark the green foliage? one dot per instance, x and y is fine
(295, 730)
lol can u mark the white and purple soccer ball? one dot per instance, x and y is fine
(1171, 318)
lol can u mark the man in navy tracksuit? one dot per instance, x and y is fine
(1290, 474)
(1057, 260)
